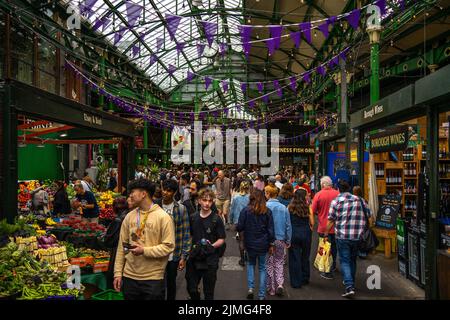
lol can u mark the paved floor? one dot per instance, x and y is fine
(232, 280)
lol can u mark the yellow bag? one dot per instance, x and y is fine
(324, 259)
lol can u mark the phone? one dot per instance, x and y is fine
(128, 246)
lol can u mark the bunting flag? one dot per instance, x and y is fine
(343, 55)
(223, 47)
(246, 48)
(307, 77)
(133, 13)
(208, 82)
(321, 70)
(270, 43)
(172, 69)
(103, 22)
(159, 43)
(275, 33)
(86, 8)
(353, 18)
(251, 103)
(305, 28)
(382, 5)
(180, 46)
(135, 50)
(402, 4)
(324, 28)
(172, 24)
(210, 31)
(190, 76)
(243, 87)
(200, 49)
(276, 84)
(118, 35)
(153, 59)
(225, 86)
(333, 62)
(332, 20)
(260, 87)
(296, 37)
(293, 83)
(265, 98)
(280, 92)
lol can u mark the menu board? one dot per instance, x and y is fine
(388, 212)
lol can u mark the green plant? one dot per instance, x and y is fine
(154, 173)
(102, 177)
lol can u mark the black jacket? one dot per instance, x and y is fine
(61, 204)
(258, 231)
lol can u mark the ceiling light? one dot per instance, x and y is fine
(62, 135)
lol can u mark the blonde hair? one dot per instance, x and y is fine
(271, 190)
(206, 193)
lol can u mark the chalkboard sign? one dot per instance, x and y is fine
(388, 211)
(391, 139)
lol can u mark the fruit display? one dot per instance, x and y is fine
(50, 222)
(107, 214)
(55, 256)
(105, 199)
(28, 244)
(23, 277)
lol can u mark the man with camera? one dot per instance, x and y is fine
(208, 239)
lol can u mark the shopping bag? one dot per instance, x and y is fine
(324, 259)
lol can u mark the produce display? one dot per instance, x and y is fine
(21, 275)
(28, 244)
(55, 256)
(45, 242)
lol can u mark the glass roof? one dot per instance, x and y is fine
(151, 25)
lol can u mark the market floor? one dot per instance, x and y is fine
(232, 280)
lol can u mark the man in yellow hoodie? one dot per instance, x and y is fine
(147, 238)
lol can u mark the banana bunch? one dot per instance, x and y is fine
(56, 256)
(107, 198)
(49, 221)
(28, 244)
(32, 185)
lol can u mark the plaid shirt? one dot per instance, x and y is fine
(182, 231)
(347, 211)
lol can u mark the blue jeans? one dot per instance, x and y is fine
(332, 240)
(262, 273)
(299, 253)
(348, 252)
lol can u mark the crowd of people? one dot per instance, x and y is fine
(179, 222)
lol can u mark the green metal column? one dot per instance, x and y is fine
(145, 136)
(101, 98)
(375, 73)
(360, 153)
(8, 205)
(431, 288)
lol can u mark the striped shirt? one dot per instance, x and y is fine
(347, 211)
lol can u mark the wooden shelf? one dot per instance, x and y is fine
(411, 194)
(414, 161)
(394, 185)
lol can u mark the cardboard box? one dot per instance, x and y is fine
(101, 267)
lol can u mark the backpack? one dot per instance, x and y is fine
(221, 250)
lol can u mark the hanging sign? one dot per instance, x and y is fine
(388, 211)
(354, 155)
(389, 140)
(299, 150)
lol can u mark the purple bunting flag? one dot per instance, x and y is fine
(307, 77)
(270, 43)
(265, 98)
(382, 5)
(321, 70)
(324, 28)
(296, 37)
(210, 31)
(223, 48)
(180, 46)
(86, 8)
(260, 86)
(333, 62)
(276, 84)
(293, 83)
(103, 22)
(172, 69)
(280, 92)
(200, 49)
(353, 18)
(225, 86)
(159, 43)
(190, 76)
(153, 59)
(246, 48)
(306, 30)
(118, 35)
(251, 103)
(332, 20)
(172, 24)
(244, 87)
(275, 33)
(246, 33)
(402, 4)
(343, 55)
(133, 13)
(135, 50)
(208, 82)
